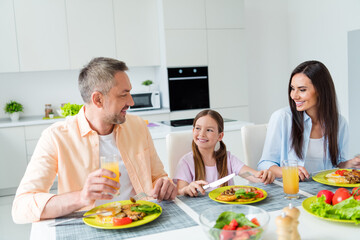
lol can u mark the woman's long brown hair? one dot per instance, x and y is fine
(327, 109)
(220, 155)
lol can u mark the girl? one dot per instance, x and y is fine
(311, 130)
(206, 163)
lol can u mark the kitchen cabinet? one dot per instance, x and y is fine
(32, 135)
(137, 32)
(42, 35)
(186, 48)
(13, 158)
(227, 60)
(91, 30)
(224, 14)
(8, 44)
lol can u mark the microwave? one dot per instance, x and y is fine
(145, 101)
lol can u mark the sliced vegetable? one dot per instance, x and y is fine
(241, 193)
(259, 194)
(146, 209)
(255, 221)
(121, 221)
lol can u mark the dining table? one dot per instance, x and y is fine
(180, 219)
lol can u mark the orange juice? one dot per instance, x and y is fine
(112, 164)
(290, 179)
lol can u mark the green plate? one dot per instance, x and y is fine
(320, 177)
(148, 218)
(306, 205)
(216, 192)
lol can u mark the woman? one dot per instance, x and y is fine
(311, 130)
(207, 162)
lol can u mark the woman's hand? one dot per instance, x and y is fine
(303, 173)
(352, 163)
(193, 188)
(265, 176)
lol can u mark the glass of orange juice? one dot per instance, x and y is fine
(290, 174)
(111, 163)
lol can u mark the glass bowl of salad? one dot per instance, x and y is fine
(234, 222)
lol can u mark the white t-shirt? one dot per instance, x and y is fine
(107, 145)
(314, 160)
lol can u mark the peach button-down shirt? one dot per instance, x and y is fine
(70, 150)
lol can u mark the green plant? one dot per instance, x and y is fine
(13, 106)
(70, 109)
(147, 82)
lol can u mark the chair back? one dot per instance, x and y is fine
(253, 139)
(177, 144)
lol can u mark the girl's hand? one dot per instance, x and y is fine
(193, 187)
(303, 173)
(352, 163)
(265, 176)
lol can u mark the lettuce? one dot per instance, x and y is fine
(244, 194)
(226, 217)
(146, 209)
(70, 109)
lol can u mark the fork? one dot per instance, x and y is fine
(138, 196)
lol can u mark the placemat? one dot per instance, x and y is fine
(172, 217)
(274, 201)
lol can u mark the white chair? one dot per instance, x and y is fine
(177, 144)
(253, 139)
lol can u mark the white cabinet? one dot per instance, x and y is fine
(224, 14)
(184, 14)
(41, 35)
(227, 60)
(8, 45)
(13, 157)
(32, 135)
(137, 32)
(91, 30)
(186, 48)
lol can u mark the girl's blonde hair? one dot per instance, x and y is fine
(220, 155)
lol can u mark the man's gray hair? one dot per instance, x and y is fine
(98, 75)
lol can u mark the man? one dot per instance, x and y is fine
(71, 150)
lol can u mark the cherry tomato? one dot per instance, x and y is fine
(255, 221)
(259, 194)
(121, 221)
(340, 195)
(340, 172)
(356, 193)
(328, 195)
(233, 224)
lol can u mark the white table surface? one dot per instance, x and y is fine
(310, 227)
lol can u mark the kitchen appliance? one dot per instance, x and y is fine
(145, 101)
(188, 88)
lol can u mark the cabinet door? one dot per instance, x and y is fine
(91, 30)
(8, 46)
(13, 156)
(186, 48)
(137, 32)
(227, 60)
(184, 14)
(225, 14)
(42, 35)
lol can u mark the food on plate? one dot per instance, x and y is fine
(344, 176)
(328, 195)
(235, 226)
(240, 194)
(125, 214)
(356, 193)
(340, 195)
(347, 209)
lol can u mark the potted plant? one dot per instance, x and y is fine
(13, 108)
(147, 83)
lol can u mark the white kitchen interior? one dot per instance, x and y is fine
(249, 46)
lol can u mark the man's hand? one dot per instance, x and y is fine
(164, 189)
(99, 187)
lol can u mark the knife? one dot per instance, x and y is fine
(104, 213)
(219, 182)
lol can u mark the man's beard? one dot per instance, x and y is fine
(115, 119)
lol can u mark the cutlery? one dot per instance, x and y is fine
(104, 213)
(138, 196)
(219, 182)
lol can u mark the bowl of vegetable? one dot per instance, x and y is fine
(234, 222)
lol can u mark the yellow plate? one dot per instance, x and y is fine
(320, 177)
(148, 218)
(306, 205)
(216, 192)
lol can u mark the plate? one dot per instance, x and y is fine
(93, 223)
(320, 177)
(216, 192)
(306, 205)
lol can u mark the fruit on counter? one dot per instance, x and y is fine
(340, 195)
(328, 195)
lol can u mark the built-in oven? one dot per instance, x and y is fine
(145, 101)
(188, 88)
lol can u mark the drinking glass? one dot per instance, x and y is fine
(111, 163)
(290, 175)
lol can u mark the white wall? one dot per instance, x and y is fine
(281, 34)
